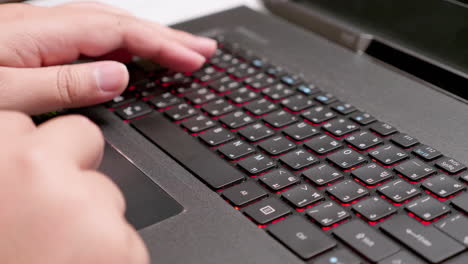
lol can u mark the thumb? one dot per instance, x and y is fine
(39, 90)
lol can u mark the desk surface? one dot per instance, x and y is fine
(168, 11)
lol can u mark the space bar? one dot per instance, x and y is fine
(190, 153)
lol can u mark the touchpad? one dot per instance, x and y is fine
(147, 203)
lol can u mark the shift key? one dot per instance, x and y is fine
(427, 241)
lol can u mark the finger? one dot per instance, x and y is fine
(15, 123)
(96, 6)
(52, 88)
(72, 139)
(202, 45)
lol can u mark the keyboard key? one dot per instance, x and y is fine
(277, 91)
(450, 165)
(464, 178)
(404, 140)
(266, 210)
(388, 155)
(364, 140)
(347, 191)
(256, 132)
(133, 111)
(427, 241)
(323, 144)
(299, 159)
(256, 164)
(455, 226)
(346, 158)
(307, 89)
(340, 127)
(325, 98)
(276, 145)
(318, 114)
(218, 107)
(372, 174)
(322, 174)
(207, 74)
(120, 100)
(198, 123)
(185, 88)
(339, 256)
(241, 70)
(426, 152)
(242, 95)
(414, 169)
(259, 81)
(383, 129)
(443, 186)
(343, 108)
(374, 208)
(278, 179)
(297, 103)
(244, 193)
(427, 208)
(200, 96)
(236, 119)
(216, 136)
(399, 191)
(362, 118)
(260, 107)
(402, 257)
(365, 240)
(301, 237)
(300, 131)
(280, 119)
(274, 71)
(328, 213)
(165, 100)
(236, 150)
(461, 202)
(302, 195)
(180, 111)
(291, 79)
(225, 84)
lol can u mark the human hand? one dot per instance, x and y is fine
(35, 39)
(57, 208)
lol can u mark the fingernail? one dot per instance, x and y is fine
(207, 42)
(111, 76)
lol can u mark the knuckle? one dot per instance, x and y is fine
(67, 83)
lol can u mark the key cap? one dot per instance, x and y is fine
(241, 70)
(346, 158)
(278, 179)
(224, 84)
(461, 202)
(443, 186)
(120, 100)
(347, 191)
(402, 257)
(258, 63)
(198, 159)
(325, 98)
(207, 74)
(383, 129)
(464, 178)
(298, 159)
(274, 71)
(236, 150)
(244, 193)
(260, 107)
(318, 114)
(455, 226)
(398, 191)
(276, 145)
(343, 108)
(218, 107)
(216, 136)
(164, 100)
(427, 208)
(291, 79)
(297, 103)
(365, 240)
(307, 89)
(323, 144)
(280, 119)
(236, 119)
(182, 89)
(450, 165)
(374, 208)
(133, 111)
(256, 164)
(198, 123)
(266, 210)
(259, 81)
(372, 174)
(338, 256)
(414, 169)
(277, 91)
(180, 111)
(426, 152)
(340, 127)
(427, 241)
(404, 140)
(242, 95)
(364, 140)
(200, 96)
(256, 132)
(301, 237)
(322, 174)
(300, 131)
(327, 213)
(302, 195)
(388, 154)
(362, 118)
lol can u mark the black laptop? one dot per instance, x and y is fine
(290, 146)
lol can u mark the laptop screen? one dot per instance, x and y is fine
(435, 29)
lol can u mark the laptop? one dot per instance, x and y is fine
(287, 147)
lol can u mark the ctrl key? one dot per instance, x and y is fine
(301, 236)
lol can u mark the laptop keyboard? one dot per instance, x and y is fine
(324, 178)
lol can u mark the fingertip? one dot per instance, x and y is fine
(111, 77)
(207, 46)
(182, 59)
